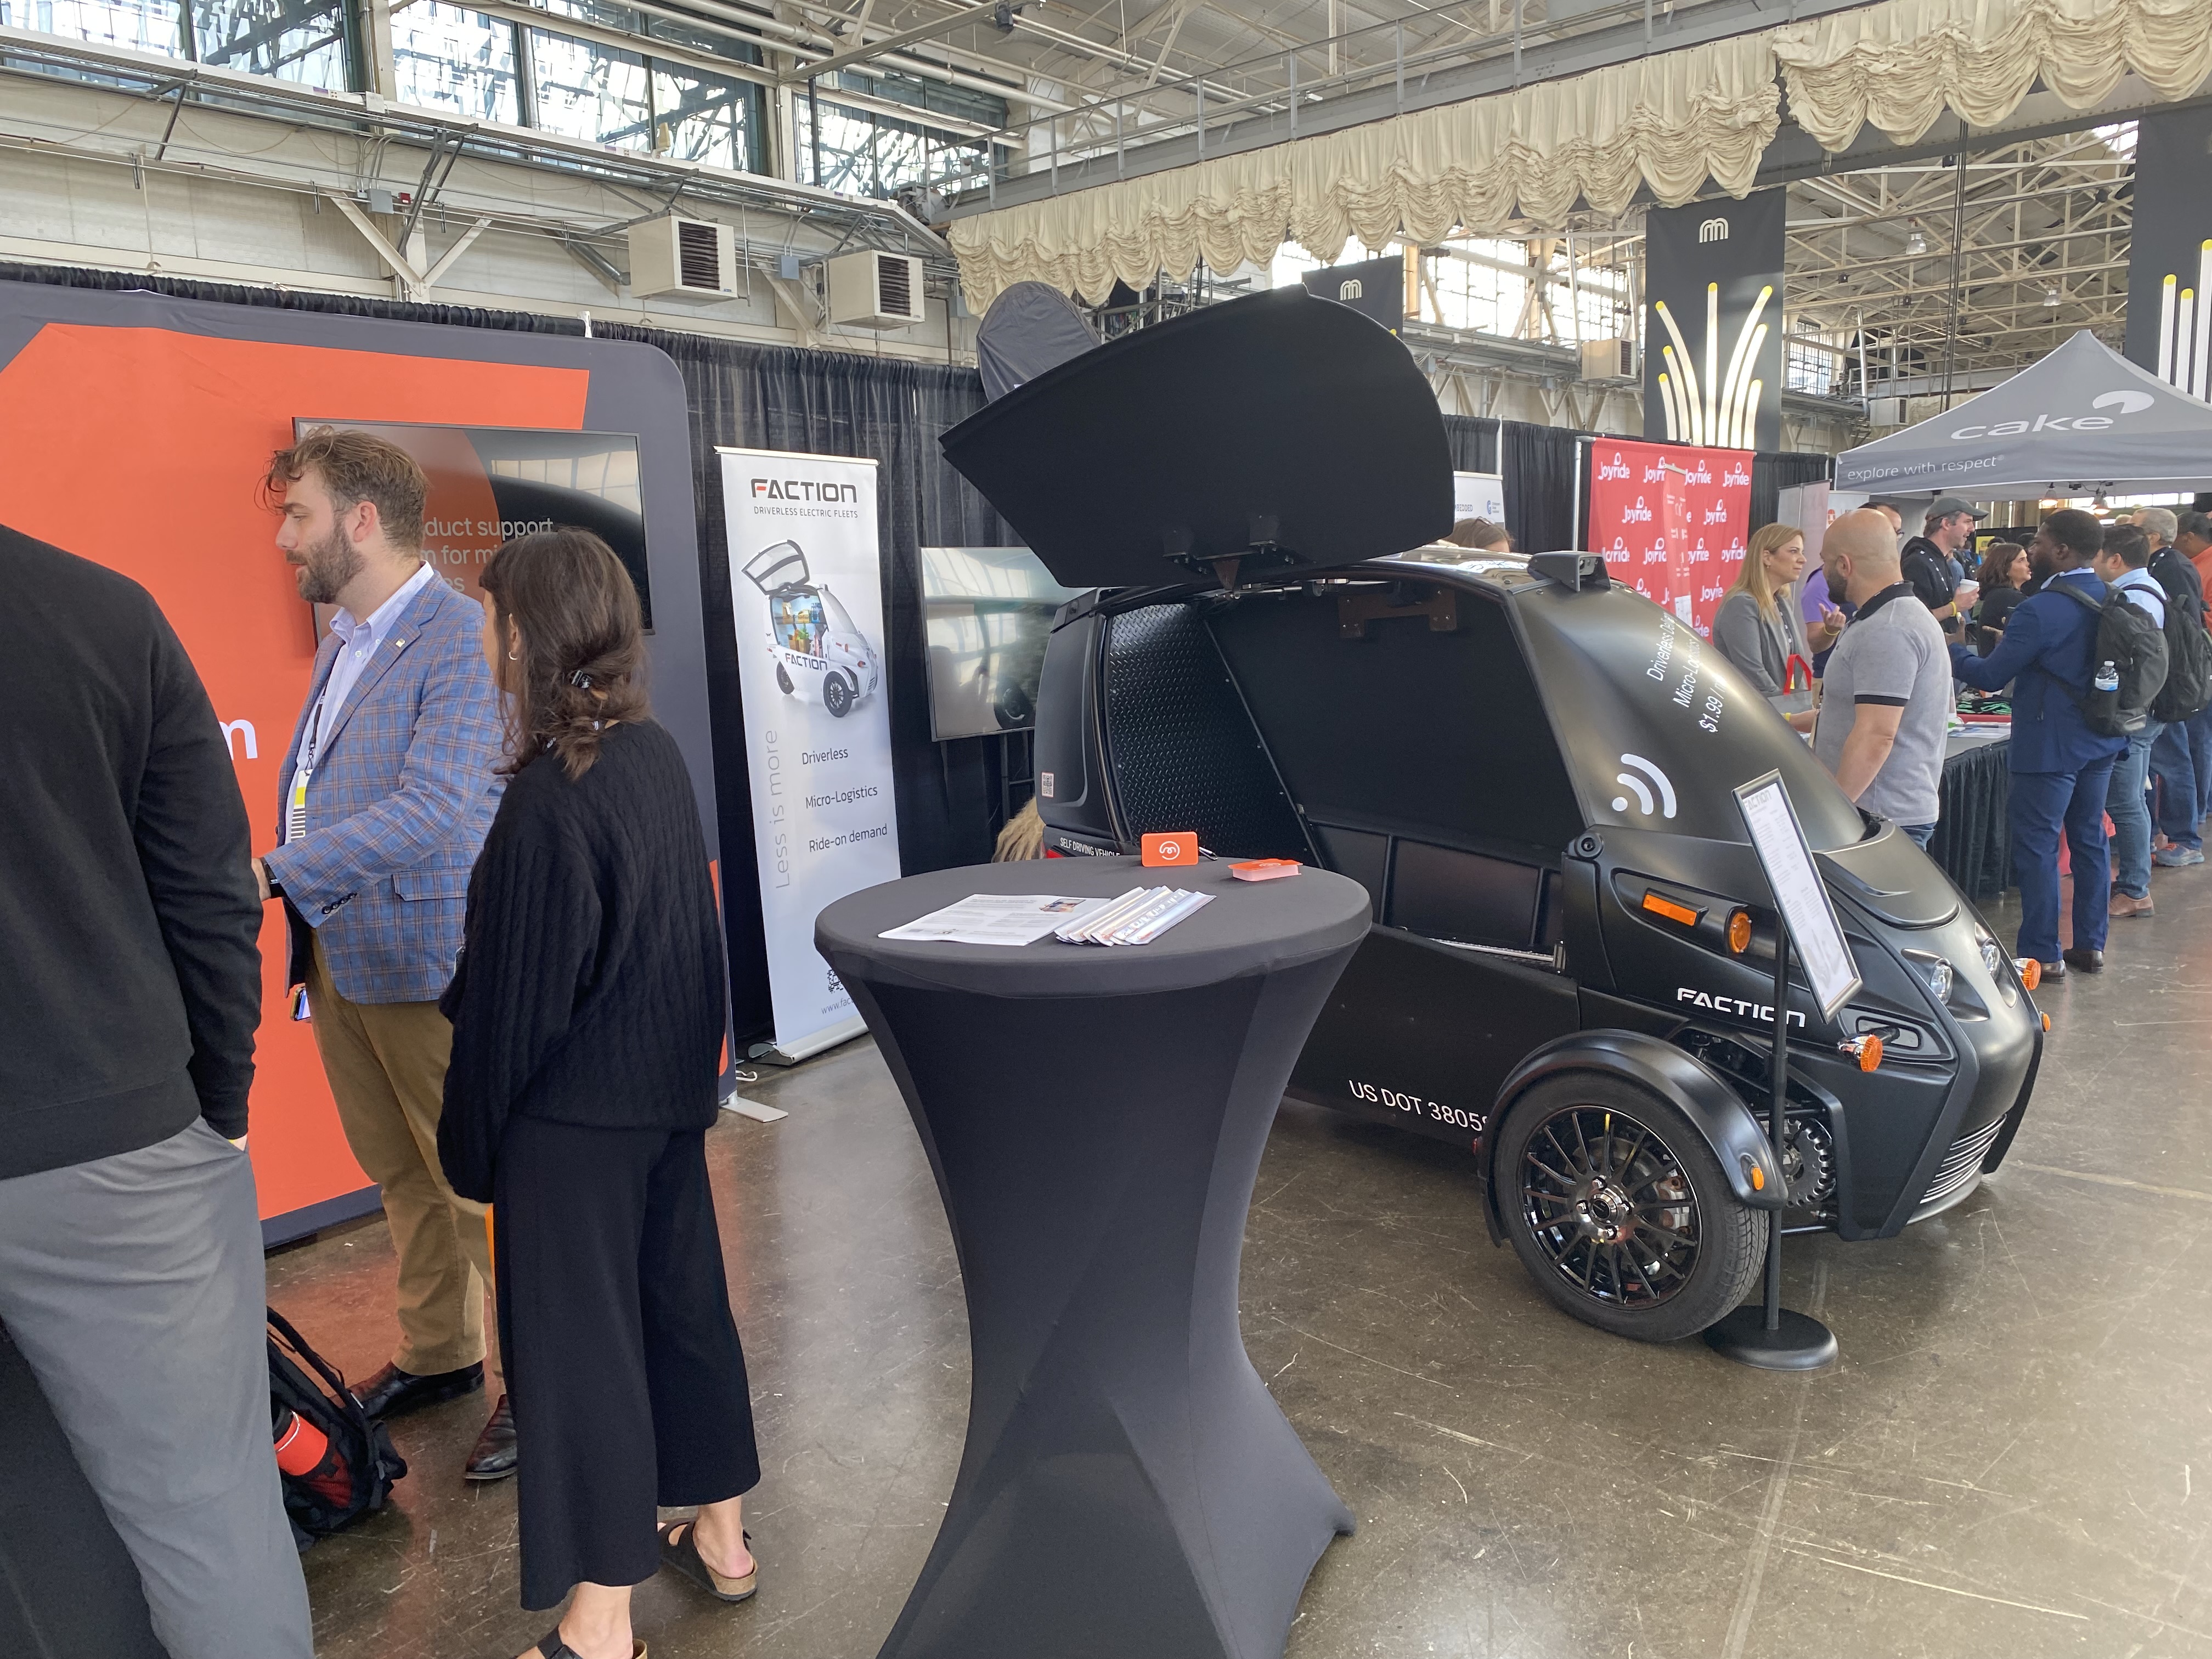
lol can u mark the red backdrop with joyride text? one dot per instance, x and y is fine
(1671, 521)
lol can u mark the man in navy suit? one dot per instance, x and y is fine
(2061, 770)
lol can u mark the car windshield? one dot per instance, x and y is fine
(1659, 728)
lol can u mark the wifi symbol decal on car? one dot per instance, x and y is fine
(1629, 780)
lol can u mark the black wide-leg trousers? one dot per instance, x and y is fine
(622, 1361)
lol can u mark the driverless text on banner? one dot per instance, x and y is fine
(806, 589)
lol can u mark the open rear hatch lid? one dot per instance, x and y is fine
(1280, 430)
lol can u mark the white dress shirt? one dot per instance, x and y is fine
(358, 641)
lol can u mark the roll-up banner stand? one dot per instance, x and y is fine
(1478, 495)
(806, 590)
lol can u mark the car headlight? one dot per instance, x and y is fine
(1993, 958)
(1935, 971)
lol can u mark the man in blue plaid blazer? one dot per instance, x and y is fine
(388, 789)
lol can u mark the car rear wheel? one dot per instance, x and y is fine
(1620, 1211)
(837, 696)
(783, 680)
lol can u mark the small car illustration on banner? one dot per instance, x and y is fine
(819, 654)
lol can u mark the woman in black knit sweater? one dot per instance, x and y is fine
(587, 1023)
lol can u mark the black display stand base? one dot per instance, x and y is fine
(1802, 1343)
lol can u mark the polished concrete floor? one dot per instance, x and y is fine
(2004, 1462)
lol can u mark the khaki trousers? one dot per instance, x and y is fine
(387, 1066)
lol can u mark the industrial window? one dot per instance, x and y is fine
(587, 91)
(301, 41)
(140, 24)
(860, 152)
(445, 57)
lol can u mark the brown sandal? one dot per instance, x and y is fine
(683, 1554)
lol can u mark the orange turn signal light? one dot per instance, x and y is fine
(2046, 1022)
(1739, 930)
(1659, 905)
(1757, 1179)
(2030, 972)
(1870, 1054)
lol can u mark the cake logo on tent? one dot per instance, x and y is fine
(2184, 328)
(1720, 410)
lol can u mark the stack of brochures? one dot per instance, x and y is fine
(1138, 917)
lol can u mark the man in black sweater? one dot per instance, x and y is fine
(130, 1274)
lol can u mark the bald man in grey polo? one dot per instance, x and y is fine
(1892, 653)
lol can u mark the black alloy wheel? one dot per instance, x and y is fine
(783, 680)
(837, 694)
(1620, 1211)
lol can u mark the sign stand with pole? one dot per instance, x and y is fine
(1771, 1336)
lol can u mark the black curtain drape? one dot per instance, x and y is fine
(1474, 439)
(1772, 474)
(1538, 466)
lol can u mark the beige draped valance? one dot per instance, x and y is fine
(1671, 122)
(1899, 65)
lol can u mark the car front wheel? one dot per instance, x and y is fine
(837, 696)
(1620, 1211)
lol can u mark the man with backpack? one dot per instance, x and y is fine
(2182, 757)
(2062, 765)
(2120, 565)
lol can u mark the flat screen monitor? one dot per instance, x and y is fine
(491, 484)
(986, 613)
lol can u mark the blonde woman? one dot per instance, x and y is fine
(1757, 627)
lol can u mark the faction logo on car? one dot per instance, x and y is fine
(1759, 1012)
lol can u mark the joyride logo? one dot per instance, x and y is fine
(1737, 472)
(1615, 468)
(1638, 513)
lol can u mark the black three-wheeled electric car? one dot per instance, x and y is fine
(1531, 770)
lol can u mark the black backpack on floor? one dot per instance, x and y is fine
(358, 1464)
(2135, 647)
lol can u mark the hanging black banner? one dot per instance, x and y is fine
(1712, 323)
(2170, 255)
(1376, 288)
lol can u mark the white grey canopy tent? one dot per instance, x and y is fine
(2084, 421)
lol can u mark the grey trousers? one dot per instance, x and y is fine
(133, 1287)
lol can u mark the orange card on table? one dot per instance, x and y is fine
(1264, 869)
(1171, 847)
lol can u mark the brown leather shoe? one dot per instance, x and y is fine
(2125, 904)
